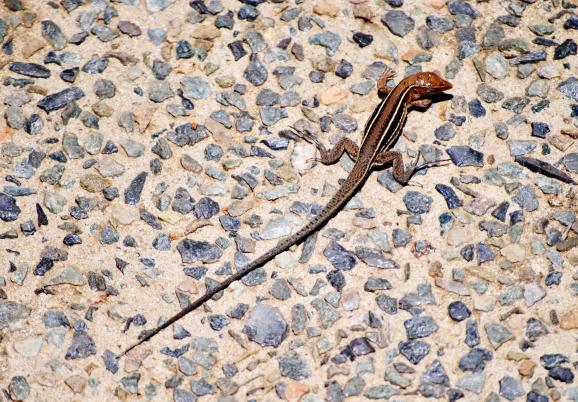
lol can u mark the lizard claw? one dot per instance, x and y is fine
(305, 135)
(415, 184)
(440, 162)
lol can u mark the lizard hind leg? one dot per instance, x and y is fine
(387, 75)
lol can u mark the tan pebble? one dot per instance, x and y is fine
(169, 216)
(569, 320)
(4, 60)
(124, 215)
(204, 44)
(288, 174)
(93, 183)
(186, 67)
(560, 142)
(458, 235)
(516, 356)
(364, 223)
(37, 89)
(479, 206)
(355, 2)
(411, 54)
(514, 253)
(143, 115)
(189, 286)
(325, 64)
(190, 164)
(363, 12)
(5, 135)
(350, 301)
(46, 380)
(166, 51)
(326, 8)
(138, 353)
(442, 110)
(332, 95)
(484, 302)
(238, 208)
(28, 347)
(230, 164)
(121, 393)
(437, 4)
(555, 394)
(102, 109)
(206, 32)
(131, 365)
(76, 383)
(526, 368)
(221, 135)
(436, 270)
(89, 368)
(570, 132)
(295, 391)
(30, 45)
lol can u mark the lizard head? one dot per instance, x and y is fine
(429, 83)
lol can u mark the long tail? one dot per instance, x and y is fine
(339, 199)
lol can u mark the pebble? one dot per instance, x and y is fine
(417, 203)
(458, 311)
(9, 209)
(193, 251)
(362, 39)
(235, 147)
(569, 88)
(463, 155)
(420, 327)
(510, 388)
(293, 366)
(450, 196)
(19, 388)
(339, 257)
(497, 334)
(255, 73)
(129, 28)
(53, 34)
(496, 65)
(30, 69)
(60, 99)
(82, 346)
(565, 49)
(11, 312)
(327, 39)
(266, 326)
(398, 22)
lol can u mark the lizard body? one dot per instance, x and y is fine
(381, 132)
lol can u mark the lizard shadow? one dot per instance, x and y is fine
(435, 98)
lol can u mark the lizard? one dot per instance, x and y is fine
(381, 132)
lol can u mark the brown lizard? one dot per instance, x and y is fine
(381, 132)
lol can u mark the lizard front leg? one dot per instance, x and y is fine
(331, 156)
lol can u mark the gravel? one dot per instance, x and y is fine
(137, 135)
